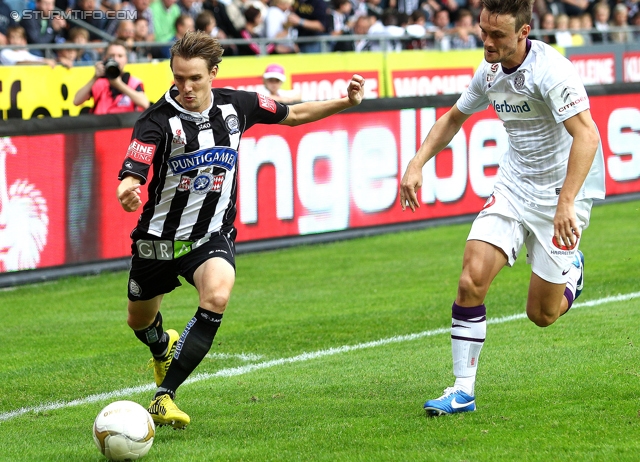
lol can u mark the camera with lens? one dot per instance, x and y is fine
(111, 69)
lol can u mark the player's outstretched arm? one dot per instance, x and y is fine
(129, 193)
(315, 110)
(438, 138)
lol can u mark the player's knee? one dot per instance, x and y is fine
(469, 290)
(541, 319)
(216, 302)
(139, 321)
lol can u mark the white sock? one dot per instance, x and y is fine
(468, 332)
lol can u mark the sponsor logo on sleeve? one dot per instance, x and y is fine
(141, 152)
(266, 103)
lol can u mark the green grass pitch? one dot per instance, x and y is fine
(328, 352)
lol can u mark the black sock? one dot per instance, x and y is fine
(154, 337)
(192, 347)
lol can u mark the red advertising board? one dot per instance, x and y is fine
(33, 202)
(428, 82)
(631, 66)
(114, 224)
(618, 119)
(595, 69)
(58, 203)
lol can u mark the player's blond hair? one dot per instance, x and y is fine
(198, 44)
(521, 10)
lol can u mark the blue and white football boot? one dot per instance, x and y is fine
(452, 401)
(578, 262)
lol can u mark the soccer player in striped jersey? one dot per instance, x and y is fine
(547, 180)
(189, 139)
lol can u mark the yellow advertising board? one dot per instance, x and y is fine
(38, 91)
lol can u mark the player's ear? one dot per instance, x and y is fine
(524, 31)
(214, 72)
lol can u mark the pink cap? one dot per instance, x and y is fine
(274, 71)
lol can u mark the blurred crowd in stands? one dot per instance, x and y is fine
(406, 24)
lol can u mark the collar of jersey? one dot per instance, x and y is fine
(203, 116)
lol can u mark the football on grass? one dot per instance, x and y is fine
(123, 430)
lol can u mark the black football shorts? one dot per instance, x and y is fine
(149, 278)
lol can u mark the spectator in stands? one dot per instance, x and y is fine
(635, 22)
(126, 32)
(191, 7)
(183, 24)
(222, 19)
(94, 16)
(475, 6)
(466, 33)
(272, 80)
(573, 7)
(586, 23)
(340, 23)
(113, 93)
(206, 22)
(409, 6)
(253, 19)
(417, 31)
(578, 36)
(563, 35)
(621, 20)
(388, 26)
(6, 21)
(374, 8)
(16, 35)
(601, 13)
(228, 15)
(309, 18)
(42, 31)
(276, 25)
(139, 9)
(81, 37)
(143, 53)
(441, 30)
(361, 27)
(547, 23)
(164, 14)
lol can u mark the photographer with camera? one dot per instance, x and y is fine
(112, 90)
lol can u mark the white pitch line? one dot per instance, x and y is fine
(241, 370)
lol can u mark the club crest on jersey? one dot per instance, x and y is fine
(219, 156)
(233, 124)
(202, 183)
(519, 81)
(205, 182)
(185, 184)
(266, 103)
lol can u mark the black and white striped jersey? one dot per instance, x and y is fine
(194, 156)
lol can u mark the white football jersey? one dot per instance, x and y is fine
(533, 100)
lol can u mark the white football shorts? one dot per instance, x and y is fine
(509, 222)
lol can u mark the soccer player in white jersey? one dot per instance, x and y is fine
(542, 198)
(189, 141)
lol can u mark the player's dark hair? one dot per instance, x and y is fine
(198, 44)
(521, 10)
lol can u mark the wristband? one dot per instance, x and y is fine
(301, 22)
